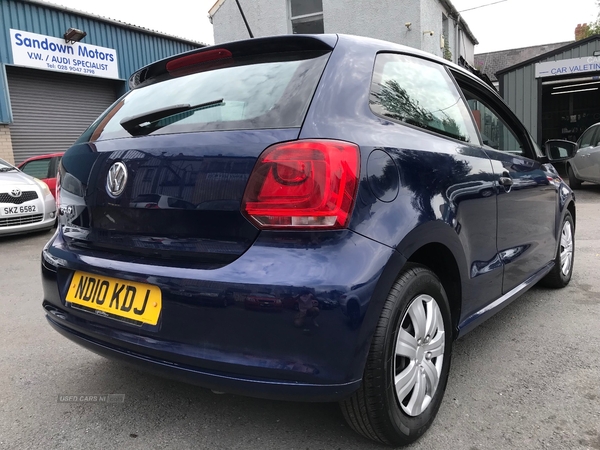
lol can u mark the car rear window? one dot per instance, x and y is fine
(272, 91)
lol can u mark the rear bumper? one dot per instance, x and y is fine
(270, 389)
(225, 346)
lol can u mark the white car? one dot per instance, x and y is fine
(26, 203)
(585, 165)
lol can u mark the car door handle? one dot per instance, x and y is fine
(506, 181)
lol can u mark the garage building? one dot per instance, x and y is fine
(556, 94)
(55, 81)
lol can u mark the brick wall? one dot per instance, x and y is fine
(581, 31)
(6, 150)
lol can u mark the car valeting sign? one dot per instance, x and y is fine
(51, 53)
(571, 66)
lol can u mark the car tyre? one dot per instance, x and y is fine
(574, 182)
(561, 273)
(408, 363)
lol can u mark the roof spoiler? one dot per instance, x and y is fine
(250, 47)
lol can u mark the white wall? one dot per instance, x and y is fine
(380, 19)
(265, 17)
(431, 20)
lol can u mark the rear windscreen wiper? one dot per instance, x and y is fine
(8, 169)
(139, 125)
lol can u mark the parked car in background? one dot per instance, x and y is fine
(585, 165)
(26, 203)
(43, 167)
(263, 302)
(361, 175)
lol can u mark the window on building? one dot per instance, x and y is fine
(307, 16)
(446, 51)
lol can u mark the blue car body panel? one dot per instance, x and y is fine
(206, 335)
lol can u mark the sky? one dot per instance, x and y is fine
(510, 24)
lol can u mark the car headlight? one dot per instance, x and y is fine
(44, 187)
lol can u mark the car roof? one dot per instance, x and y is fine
(292, 42)
(386, 46)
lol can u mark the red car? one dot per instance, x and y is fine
(43, 167)
(262, 302)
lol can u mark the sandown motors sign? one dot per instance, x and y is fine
(51, 53)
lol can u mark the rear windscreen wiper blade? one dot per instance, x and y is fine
(133, 124)
(8, 169)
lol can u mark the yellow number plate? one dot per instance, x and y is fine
(135, 301)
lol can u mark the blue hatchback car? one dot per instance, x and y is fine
(332, 213)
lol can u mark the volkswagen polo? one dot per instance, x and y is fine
(392, 184)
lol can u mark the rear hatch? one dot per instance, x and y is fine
(161, 173)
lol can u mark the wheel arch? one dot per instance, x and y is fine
(570, 164)
(571, 208)
(437, 246)
(434, 245)
(439, 259)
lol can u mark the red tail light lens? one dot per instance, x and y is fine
(303, 185)
(197, 58)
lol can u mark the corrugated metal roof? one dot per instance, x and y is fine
(57, 6)
(492, 62)
(550, 54)
(135, 46)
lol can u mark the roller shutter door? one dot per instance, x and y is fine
(51, 110)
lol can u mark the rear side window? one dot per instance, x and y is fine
(420, 93)
(239, 94)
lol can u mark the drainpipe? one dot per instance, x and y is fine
(456, 54)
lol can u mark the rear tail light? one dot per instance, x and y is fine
(308, 184)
